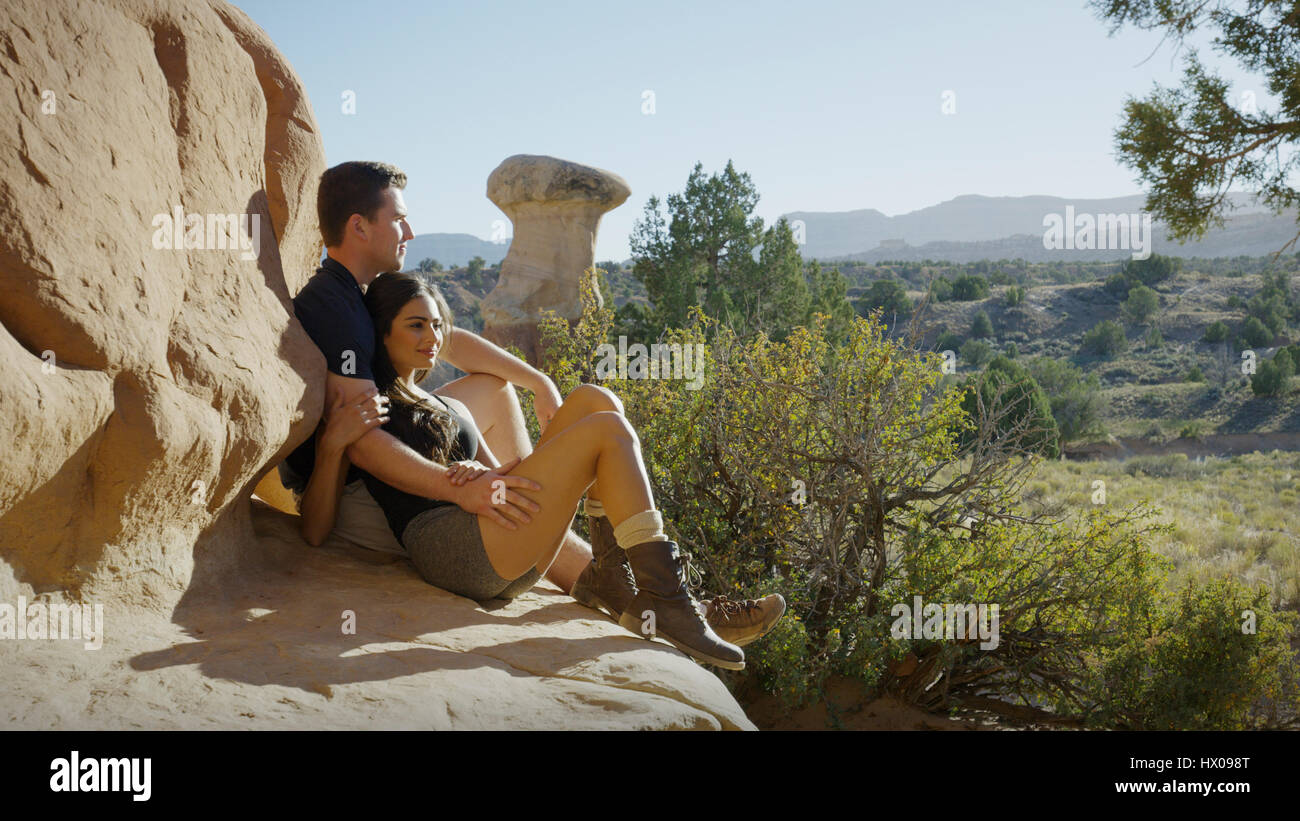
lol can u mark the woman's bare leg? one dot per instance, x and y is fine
(599, 447)
(495, 407)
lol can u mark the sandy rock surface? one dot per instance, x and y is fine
(276, 655)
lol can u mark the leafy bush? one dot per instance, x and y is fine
(976, 353)
(1217, 332)
(1273, 377)
(1105, 339)
(948, 341)
(888, 295)
(1194, 375)
(834, 474)
(1256, 334)
(940, 289)
(1006, 389)
(1117, 285)
(1075, 398)
(1015, 295)
(1154, 269)
(1196, 662)
(968, 288)
(981, 327)
(1142, 304)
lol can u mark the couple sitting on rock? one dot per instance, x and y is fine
(449, 478)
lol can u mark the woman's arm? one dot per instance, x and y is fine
(472, 353)
(343, 425)
(320, 502)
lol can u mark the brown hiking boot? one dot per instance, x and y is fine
(741, 622)
(606, 583)
(663, 607)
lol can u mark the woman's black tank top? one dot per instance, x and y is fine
(400, 507)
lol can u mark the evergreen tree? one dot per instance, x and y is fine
(712, 253)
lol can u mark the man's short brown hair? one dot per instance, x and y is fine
(352, 188)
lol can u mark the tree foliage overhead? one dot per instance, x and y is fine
(1191, 144)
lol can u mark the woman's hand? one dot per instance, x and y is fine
(345, 423)
(465, 471)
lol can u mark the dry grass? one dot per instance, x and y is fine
(1236, 515)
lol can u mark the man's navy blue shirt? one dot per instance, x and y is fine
(332, 309)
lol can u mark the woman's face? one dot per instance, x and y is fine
(416, 335)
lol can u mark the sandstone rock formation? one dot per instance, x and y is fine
(160, 162)
(147, 386)
(556, 206)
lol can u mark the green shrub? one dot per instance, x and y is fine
(948, 341)
(1194, 375)
(968, 288)
(1256, 334)
(1075, 397)
(940, 289)
(1268, 380)
(1142, 304)
(1194, 661)
(1006, 390)
(981, 327)
(1217, 332)
(1105, 339)
(1118, 285)
(889, 295)
(1152, 270)
(976, 353)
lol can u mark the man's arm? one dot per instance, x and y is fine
(389, 460)
(386, 457)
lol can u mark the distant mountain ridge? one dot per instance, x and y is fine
(453, 250)
(973, 227)
(967, 228)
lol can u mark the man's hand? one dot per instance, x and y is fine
(546, 401)
(491, 495)
(345, 422)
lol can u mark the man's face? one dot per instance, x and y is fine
(389, 232)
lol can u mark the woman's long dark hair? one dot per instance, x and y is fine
(422, 424)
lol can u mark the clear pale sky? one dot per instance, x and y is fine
(829, 106)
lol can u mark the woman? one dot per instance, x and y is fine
(588, 448)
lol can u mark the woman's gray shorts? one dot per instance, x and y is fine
(446, 548)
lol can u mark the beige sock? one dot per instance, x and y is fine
(639, 529)
(593, 507)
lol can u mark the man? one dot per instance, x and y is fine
(363, 222)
